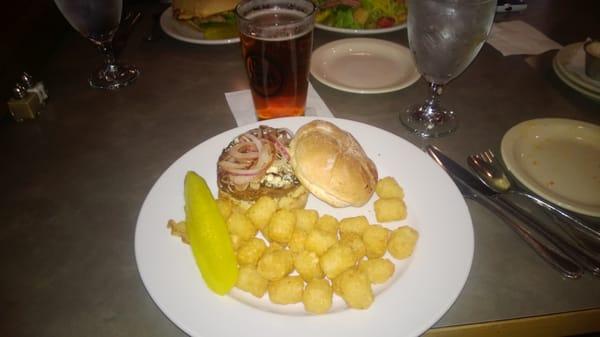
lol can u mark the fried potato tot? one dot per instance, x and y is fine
(336, 260)
(375, 238)
(296, 243)
(319, 241)
(307, 265)
(306, 219)
(390, 209)
(317, 297)
(327, 223)
(356, 225)
(260, 213)
(249, 280)
(274, 265)
(238, 224)
(287, 290)
(281, 226)
(388, 187)
(225, 207)
(251, 251)
(355, 242)
(178, 229)
(402, 242)
(355, 289)
(377, 270)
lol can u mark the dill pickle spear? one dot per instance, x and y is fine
(208, 236)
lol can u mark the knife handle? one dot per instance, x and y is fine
(588, 261)
(566, 266)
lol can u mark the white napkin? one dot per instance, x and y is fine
(518, 37)
(241, 105)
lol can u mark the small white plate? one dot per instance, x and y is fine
(558, 159)
(562, 75)
(361, 31)
(184, 32)
(570, 61)
(423, 287)
(364, 66)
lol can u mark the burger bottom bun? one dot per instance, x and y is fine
(296, 198)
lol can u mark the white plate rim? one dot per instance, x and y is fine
(562, 75)
(561, 59)
(360, 31)
(321, 52)
(166, 20)
(433, 296)
(509, 142)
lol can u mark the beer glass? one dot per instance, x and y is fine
(277, 38)
(444, 37)
(98, 20)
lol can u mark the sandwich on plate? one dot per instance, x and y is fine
(214, 18)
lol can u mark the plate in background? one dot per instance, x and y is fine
(184, 32)
(558, 159)
(364, 66)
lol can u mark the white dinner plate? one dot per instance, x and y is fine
(575, 85)
(364, 66)
(361, 31)
(184, 32)
(421, 291)
(570, 62)
(558, 159)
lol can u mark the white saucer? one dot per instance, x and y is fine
(364, 66)
(361, 31)
(570, 61)
(558, 159)
(183, 32)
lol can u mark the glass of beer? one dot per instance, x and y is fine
(277, 39)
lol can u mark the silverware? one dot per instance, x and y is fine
(484, 164)
(124, 31)
(154, 33)
(473, 189)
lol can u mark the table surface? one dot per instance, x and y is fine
(73, 181)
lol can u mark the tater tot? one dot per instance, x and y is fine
(375, 238)
(317, 297)
(236, 241)
(356, 225)
(377, 270)
(307, 265)
(281, 226)
(306, 219)
(238, 224)
(286, 290)
(275, 265)
(355, 289)
(390, 209)
(319, 241)
(327, 223)
(251, 251)
(388, 187)
(336, 260)
(260, 213)
(249, 280)
(355, 242)
(225, 207)
(402, 242)
(296, 243)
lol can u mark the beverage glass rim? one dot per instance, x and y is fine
(278, 4)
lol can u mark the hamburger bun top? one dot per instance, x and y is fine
(332, 165)
(187, 9)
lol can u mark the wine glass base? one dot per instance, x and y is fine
(113, 76)
(429, 121)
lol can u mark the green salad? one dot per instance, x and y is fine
(361, 14)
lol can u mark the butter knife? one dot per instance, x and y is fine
(473, 189)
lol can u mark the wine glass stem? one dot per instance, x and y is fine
(434, 100)
(107, 51)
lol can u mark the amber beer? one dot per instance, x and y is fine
(276, 48)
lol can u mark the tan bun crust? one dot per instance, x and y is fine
(332, 165)
(188, 9)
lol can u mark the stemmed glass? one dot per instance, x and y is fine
(98, 20)
(444, 37)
